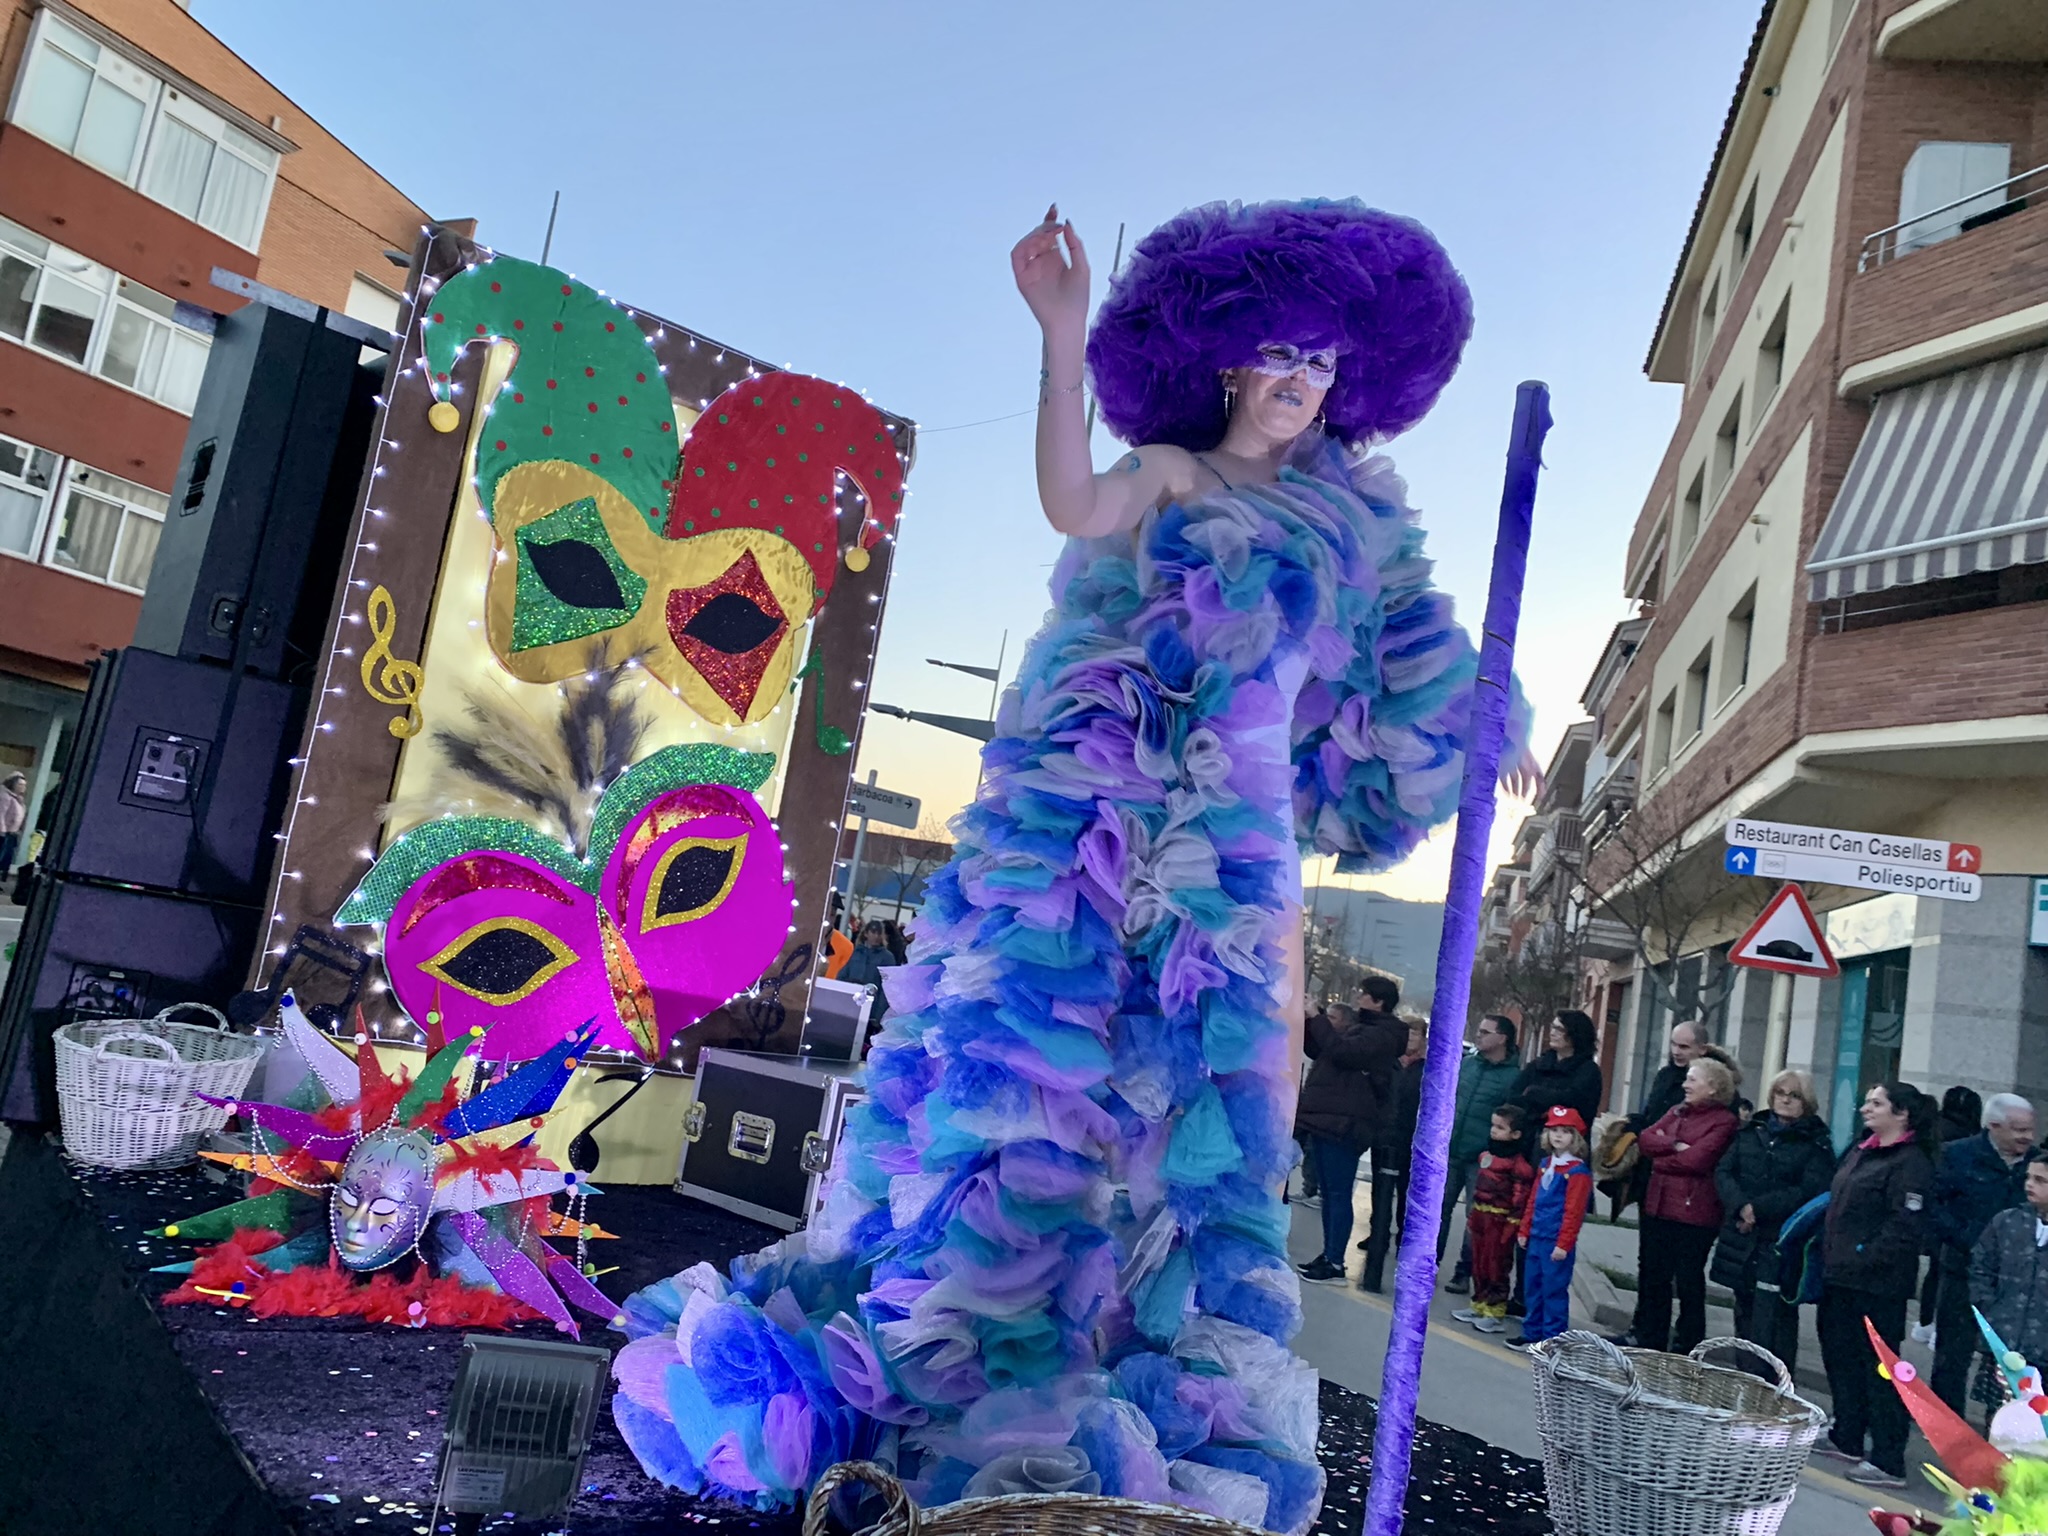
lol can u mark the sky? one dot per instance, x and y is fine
(836, 188)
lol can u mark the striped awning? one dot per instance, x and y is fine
(1951, 477)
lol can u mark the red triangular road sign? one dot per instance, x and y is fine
(1786, 937)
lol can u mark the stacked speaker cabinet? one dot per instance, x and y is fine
(150, 888)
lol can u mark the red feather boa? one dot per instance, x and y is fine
(328, 1290)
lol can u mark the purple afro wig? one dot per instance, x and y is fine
(1204, 290)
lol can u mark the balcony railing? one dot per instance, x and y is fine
(1560, 846)
(1988, 205)
(1612, 799)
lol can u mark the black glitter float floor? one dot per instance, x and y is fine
(341, 1419)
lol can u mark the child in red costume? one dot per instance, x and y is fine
(1550, 1227)
(1500, 1197)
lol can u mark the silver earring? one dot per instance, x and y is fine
(1229, 401)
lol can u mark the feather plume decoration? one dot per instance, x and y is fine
(549, 773)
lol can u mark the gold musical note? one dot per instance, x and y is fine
(387, 679)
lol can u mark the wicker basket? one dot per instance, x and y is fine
(1016, 1514)
(125, 1087)
(1642, 1443)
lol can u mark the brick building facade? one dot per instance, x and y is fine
(1841, 565)
(138, 154)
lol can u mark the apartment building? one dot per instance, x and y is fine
(138, 156)
(1841, 567)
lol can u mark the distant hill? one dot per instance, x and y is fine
(1388, 934)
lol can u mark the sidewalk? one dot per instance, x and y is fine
(1471, 1381)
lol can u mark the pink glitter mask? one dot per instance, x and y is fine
(1283, 360)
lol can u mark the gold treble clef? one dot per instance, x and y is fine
(387, 679)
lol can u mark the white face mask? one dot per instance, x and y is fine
(1283, 360)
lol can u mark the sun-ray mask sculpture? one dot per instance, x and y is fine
(707, 557)
(377, 1168)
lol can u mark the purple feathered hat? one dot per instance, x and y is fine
(1203, 291)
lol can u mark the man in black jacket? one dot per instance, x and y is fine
(1667, 1088)
(1977, 1177)
(1343, 1106)
(1390, 1158)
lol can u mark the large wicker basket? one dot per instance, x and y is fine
(1017, 1514)
(125, 1087)
(1642, 1443)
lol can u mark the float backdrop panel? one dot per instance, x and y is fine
(428, 577)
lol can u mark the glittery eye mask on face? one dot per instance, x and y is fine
(682, 904)
(1283, 360)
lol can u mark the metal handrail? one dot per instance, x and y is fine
(1885, 244)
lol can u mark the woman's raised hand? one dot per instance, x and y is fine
(1055, 285)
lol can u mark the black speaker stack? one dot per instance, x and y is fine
(150, 888)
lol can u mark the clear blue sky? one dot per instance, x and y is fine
(835, 187)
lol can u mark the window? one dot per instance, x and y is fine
(1696, 678)
(1935, 201)
(1770, 356)
(150, 350)
(109, 528)
(87, 100)
(1689, 511)
(1725, 442)
(58, 302)
(115, 115)
(1745, 228)
(1661, 731)
(1710, 314)
(1735, 641)
(206, 168)
(1838, 18)
(26, 474)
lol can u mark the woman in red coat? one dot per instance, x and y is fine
(1681, 1212)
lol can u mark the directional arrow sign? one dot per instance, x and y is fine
(1868, 847)
(885, 805)
(1862, 874)
(1786, 937)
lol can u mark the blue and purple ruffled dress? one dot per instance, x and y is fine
(1053, 1254)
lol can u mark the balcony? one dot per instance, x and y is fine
(1561, 848)
(1602, 938)
(1611, 799)
(1967, 31)
(1988, 205)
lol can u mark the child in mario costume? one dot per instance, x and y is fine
(1550, 1228)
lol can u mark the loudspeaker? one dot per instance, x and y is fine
(177, 778)
(264, 493)
(105, 951)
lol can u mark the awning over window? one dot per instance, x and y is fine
(1951, 477)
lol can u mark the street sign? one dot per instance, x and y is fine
(885, 806)
(1870, 847)
(2037, 932)
(1786, 937)
(1861, 874)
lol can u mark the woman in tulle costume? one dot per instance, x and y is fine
(1053, 1255)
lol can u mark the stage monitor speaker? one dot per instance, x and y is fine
(265, 493)
(177, 778)
(104, 951)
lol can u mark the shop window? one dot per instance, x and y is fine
(108, 529)
(26, 475)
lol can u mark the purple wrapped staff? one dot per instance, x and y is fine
(1415, 1274)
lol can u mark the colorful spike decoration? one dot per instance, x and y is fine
(706, 555)
(402, 1167)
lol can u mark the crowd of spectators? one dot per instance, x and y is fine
(1946, 1202)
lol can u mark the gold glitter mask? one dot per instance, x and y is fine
(717, 616)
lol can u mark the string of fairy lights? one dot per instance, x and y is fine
(359, 582)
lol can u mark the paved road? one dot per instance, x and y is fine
(1472, 1382)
